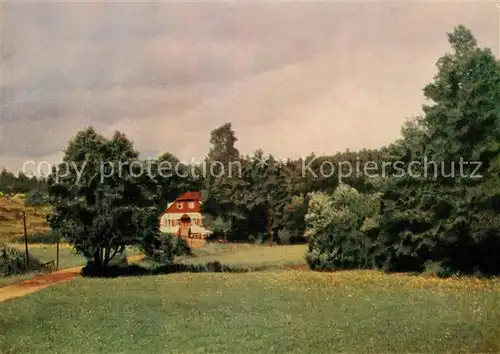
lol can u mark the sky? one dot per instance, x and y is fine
(292, 77)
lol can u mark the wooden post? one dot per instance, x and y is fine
(57, 250)
(26, 240)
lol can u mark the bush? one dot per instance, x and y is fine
(334, 229)
(166, 248)
(257, 239)
(13, 261)
(113, 271)
(290, 237)
(438, 269)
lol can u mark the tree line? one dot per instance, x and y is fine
(20, 183)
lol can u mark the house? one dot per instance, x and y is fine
(183, 217)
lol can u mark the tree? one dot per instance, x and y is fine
(175, 177)
(107, 201)
(268, 189)
(221, 226)
(36, 199)
(334, 229)
(218, 194)
(223, 150)
(445, 215)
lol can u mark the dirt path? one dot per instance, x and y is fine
(40, 282)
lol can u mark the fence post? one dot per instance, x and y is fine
(26, 240)
(57, 256)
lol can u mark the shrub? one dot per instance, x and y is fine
(135, 269)
(257, 239)
(13, 261)
(290, 237)
(334, 229)
(166, 247)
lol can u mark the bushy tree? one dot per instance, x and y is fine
(166, 247)
(334, 225)
(36, 199)
(105, 201)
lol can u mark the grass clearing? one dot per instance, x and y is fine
(249, 255)
(280, 311)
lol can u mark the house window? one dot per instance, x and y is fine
(191, 205)
(179, 205)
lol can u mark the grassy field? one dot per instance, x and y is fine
(249, 255)
(278, 311)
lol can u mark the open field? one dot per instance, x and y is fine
(278, 310)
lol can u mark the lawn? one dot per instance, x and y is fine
(274, 311)
(249, 255)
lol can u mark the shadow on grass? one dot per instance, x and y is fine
(124, 270)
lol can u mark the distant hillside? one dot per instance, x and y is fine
(11, 222)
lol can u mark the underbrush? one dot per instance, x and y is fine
(13, 262)
(120, 270)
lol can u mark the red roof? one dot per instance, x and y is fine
(180, 207)
(190, 196)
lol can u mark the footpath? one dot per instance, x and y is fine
(43, 281)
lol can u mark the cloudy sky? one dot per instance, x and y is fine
(292, 78)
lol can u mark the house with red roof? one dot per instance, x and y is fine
(183, 217)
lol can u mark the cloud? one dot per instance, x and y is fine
(291, 77)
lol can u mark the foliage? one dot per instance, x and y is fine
(105, 202)
(174, 177)
(20, 183)
(13, 261)
(442, 214)
(334, 225)
(166, 248)
(223, 150)
(219, 226)
(35, 198)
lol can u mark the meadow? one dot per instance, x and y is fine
(282, 309)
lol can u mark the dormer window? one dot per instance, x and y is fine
(191, 205)
(179, 205)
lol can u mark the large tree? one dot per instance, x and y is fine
(443, 212)
(105, 200)
(223, 148)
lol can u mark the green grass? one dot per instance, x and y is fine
(280, 311)
(264, 312)
(15, 279)
(68, 258)
(249, 255)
